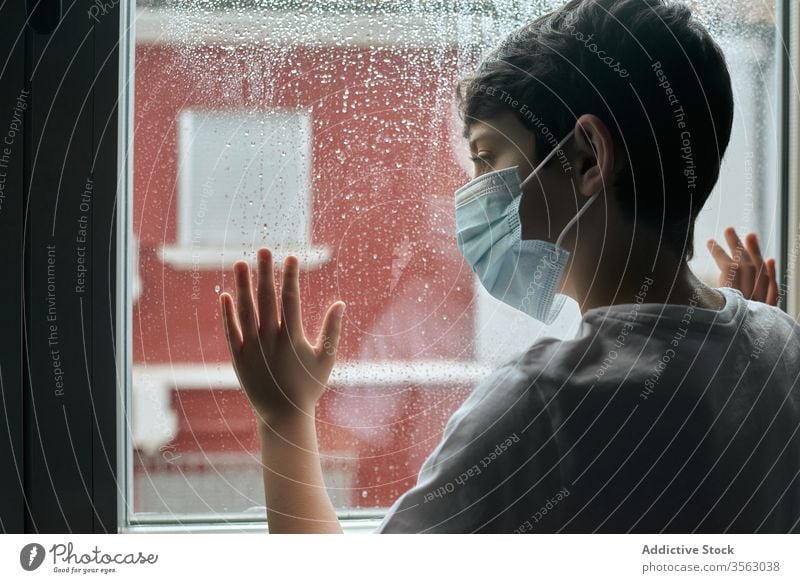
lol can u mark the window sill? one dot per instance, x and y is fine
(221, 524)
(188, 258)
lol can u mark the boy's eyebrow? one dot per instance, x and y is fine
(480, 133)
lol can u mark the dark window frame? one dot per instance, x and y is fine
(59, 377)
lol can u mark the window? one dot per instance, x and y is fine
(327, 130)
(243, 180)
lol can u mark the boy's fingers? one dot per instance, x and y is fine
(718, 253)
(290, 299)
(761, 284)
(232, 333)
(772, 288)
(736, 245)
(328, 340)
(267, 304)
(753, 248)
(743, 273)
(244, 302)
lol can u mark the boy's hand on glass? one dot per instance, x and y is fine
(745, 268)
(282, 373)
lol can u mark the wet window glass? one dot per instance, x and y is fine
(328, 130)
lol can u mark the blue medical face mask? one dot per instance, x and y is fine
(523, 274)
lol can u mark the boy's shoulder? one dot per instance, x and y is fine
(553, 364)
(612, 352)
(759, 312)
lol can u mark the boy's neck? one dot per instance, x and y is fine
(611, 273)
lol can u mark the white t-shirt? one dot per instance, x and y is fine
(655, 418)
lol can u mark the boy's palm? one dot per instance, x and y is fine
(281, 372)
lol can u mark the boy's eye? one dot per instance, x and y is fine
(482, 160)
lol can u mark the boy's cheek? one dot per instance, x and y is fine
(535, 214)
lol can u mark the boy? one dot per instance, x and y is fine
(597, 133)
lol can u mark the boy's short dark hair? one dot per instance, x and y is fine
(649, 70)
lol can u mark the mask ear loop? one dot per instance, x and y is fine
(574, 219)
(582, 210)
(547, 158)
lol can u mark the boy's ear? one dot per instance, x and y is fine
(594, 155)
